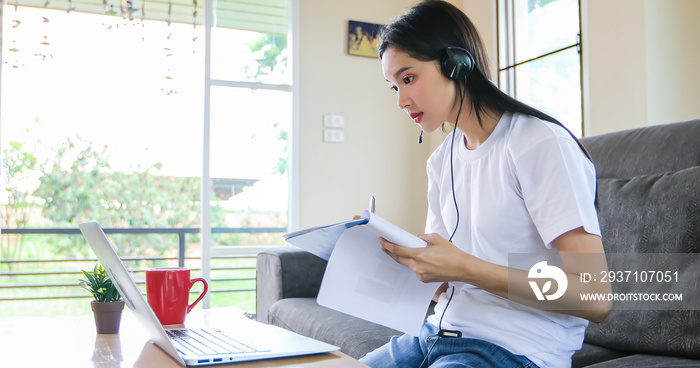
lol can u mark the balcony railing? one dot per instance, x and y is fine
(17, 274)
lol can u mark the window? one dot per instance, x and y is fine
(539, 58)
(113, 113)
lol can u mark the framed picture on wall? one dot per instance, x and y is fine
(363, 39)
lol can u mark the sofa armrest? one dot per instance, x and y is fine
(286, 272)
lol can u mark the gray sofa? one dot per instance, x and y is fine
(649, 202)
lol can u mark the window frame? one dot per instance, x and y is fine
(504, 10)
(207, 250)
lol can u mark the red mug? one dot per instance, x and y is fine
(168, 293)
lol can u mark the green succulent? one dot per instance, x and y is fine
(99, 285)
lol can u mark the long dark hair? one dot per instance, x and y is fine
(427, 29)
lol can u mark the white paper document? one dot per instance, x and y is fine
(362, 281)
(322, 239)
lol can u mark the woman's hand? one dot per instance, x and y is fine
(439, 261)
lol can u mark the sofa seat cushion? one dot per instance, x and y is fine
(354, 336)
(591, 354)
(647, 361)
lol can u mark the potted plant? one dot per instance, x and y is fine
(108, 305)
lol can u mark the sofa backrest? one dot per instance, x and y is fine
(649, 202)
(650, 150)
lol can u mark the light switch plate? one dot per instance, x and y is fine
(333, 135)
(333, 121)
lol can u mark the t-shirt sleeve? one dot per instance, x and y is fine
(558, 185)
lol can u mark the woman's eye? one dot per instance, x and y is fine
(407, 80)
(394, 88)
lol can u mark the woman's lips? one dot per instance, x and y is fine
(416, 116)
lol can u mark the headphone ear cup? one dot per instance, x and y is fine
(457, 63)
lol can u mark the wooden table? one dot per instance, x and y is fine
(73, 342)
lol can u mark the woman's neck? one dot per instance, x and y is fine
(474, 133)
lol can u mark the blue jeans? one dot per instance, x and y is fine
(410, 351)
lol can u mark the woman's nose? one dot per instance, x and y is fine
(402, 101)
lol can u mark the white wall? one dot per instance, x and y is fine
(614, 48)
(673, 60)
(380, 155)
(640, 62)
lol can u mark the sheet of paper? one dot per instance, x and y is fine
(361, 280)
(320, 241)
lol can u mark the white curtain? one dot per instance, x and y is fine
(267, 16)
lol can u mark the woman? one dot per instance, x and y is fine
(509, 180)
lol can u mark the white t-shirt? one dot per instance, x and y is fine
(528, 183)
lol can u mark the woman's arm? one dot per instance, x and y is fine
(441, 261)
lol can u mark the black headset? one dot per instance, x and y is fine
(457, 63)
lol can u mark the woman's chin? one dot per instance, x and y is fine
(428, 128)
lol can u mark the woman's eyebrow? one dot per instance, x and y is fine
(398, 72)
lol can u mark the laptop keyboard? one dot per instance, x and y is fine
(210, 341)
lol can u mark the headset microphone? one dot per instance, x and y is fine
(420, 138)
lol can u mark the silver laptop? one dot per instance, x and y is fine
(257, 342)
